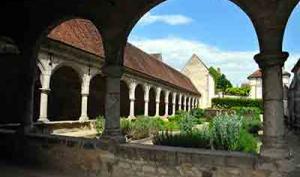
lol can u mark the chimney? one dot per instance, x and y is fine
(219, 70)
(158, 56)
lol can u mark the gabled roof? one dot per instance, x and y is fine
(82, 34)
(195, 58)
(258, 74)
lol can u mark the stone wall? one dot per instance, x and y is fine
(94, 158)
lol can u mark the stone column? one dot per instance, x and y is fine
(112, 130)
(174, 103)
(146, 99)
(85, 89)
(157, 100)
(132, 86)
(167, 93)
(44, 97)
(179, 102)
(273, 138)
(189, 104)
(184, 102)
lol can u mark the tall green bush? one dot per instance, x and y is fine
(225, 131)
(227, 103)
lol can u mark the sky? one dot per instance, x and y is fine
(215, 30)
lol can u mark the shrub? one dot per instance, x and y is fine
(225, 132)
(197, 113)
(236, 91)
(227, 103)
(144, 127)
(99, 124)
(247, 111)
(252, 125)
(126, 126)
(187, 123)
(247, 142)
(195, 139)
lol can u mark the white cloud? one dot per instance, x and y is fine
(175, 19)
(176, 52)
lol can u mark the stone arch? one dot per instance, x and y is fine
(152, 101)
(139, 100)
(162, 103)
(96, 99)
(124, 98)
(65, 95)
(74, 66)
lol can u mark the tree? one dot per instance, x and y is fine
(223, 83)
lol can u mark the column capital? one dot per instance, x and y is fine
(271, 59)
(113, 70)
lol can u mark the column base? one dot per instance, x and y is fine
(114, 136)
(84, 119)
(43, 120)
(276, 157)
(131, 117)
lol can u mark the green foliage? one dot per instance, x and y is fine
(245, 91)
(195, 139)
(99, 124)
(126, 126)
(247, 142)
(214, 73)
(187, 123)
(145, 127)
(247, 111)
(197, 113)
(223, 83)
(227, 103)
(252, 125)
(225, 132)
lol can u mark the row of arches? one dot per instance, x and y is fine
(65, 97)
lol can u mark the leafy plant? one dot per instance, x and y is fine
(247, 142)
(99, 124)
(187, 123)
(195, 139)
(225, 132)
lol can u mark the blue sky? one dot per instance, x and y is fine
(216, 30)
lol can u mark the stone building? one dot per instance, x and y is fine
(71, 83)
(294, 98)
(255, 83)
(199, 74)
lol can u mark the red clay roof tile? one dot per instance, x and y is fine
(84, 35)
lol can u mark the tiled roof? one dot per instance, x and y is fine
(84, 35)
(256, 74)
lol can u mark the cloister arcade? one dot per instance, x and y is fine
(68, 89)
(114, 20)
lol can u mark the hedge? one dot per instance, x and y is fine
(228, 103)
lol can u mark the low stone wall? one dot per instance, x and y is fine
(50, 127)
(92, 158)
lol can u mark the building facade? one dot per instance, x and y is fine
(199, 74)
(255, 83)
